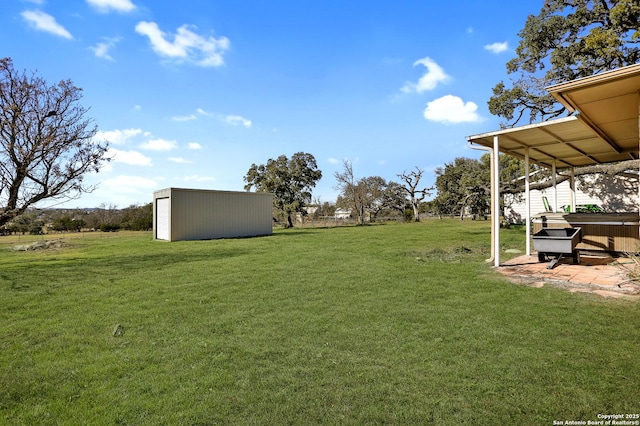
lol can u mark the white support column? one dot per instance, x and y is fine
(495, 199)
(554, 179)
(572, 189)
(493, 246)
(527, 196)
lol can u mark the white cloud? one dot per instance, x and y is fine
(497, 47)
(129, 184)
(159, 145)
(132, 158)
(117, 137)
(106, 167)
(179, 160)
(235, 120)
(117, 5)
(45, 22)
(451, 109)
(434, 75)
(205, 113)
(198, 178)
(101, 50)
(333, 160)
(185, 117)
(186, 45)
(194, 145)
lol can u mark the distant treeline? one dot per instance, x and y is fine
(106, 218)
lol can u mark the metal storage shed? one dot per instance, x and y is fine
(193, 214)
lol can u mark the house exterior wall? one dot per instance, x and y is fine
(206, 214)
(342, 213)
(613, 194)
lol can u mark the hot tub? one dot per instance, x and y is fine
(614, 232)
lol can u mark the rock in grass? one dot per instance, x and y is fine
(118, 330)
(41, 245)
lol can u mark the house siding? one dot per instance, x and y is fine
(614, 194)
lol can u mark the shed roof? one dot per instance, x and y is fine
(604, 128)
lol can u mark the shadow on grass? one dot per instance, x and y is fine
(301, 230)
(118, 263)
(165, 260)
(454, 255)
(293, 232)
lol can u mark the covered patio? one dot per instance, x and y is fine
(603, 129)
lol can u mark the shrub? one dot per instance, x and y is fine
(407, 215)
(108, 227)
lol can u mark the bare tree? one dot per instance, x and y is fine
(46, 143)
(412, 180)
(365, 195)
(351, 193)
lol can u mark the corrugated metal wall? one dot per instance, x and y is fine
(202, 214)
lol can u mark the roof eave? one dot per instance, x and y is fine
(560, 91)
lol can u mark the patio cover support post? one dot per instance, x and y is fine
(527, 196)
(572, 190)
(490, 151)
(554, 180)
(493, 247)
(495, 202)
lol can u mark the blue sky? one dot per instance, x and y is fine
(190, 94)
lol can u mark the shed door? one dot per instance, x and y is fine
(162, 219)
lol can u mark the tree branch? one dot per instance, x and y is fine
(612, 169)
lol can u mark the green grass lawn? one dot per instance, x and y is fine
(393, 324)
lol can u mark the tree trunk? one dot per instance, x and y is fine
(416, 213)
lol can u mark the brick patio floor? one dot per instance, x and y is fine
(597, 272)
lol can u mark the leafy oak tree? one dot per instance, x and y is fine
(465, 184)
(394, 197)
(46, 141)
(290, 180)
(373, 188)
(457, 182)
(568, 39)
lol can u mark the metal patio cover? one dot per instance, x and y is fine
(604, 128)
